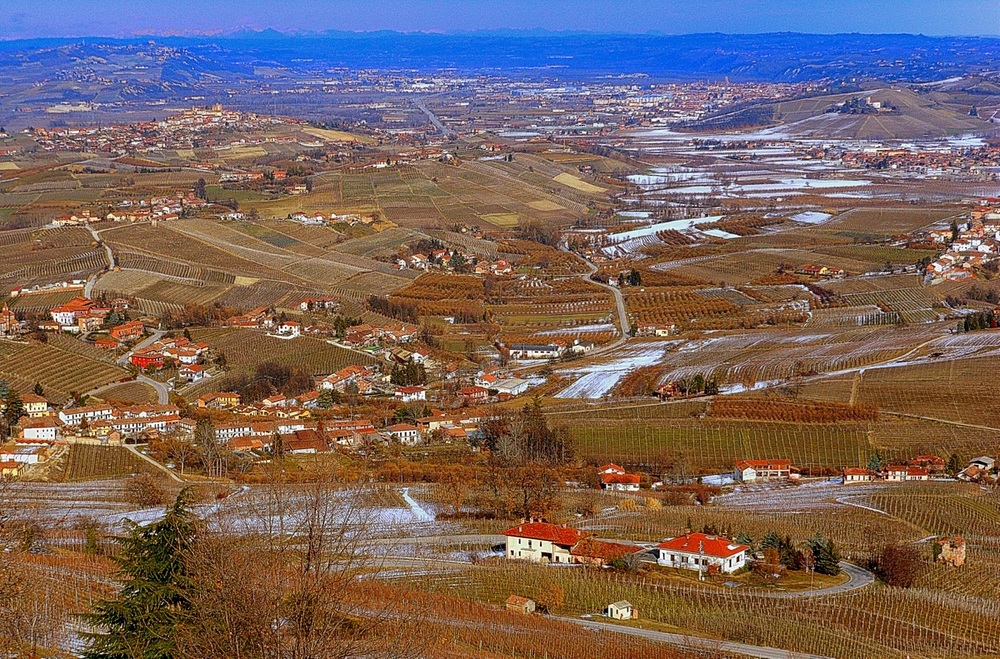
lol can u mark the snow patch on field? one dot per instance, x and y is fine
(595, 380)
(581, 329)
(811, 217)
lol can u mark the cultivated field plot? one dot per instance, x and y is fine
(885, 222)
(713, 444)
(874, 622)
(550, 307)
(944, 509)
(938, 388)
(130, 392)
(384, 243)
(58, 370)
(168, 244)
(42, 302)
(244, 349)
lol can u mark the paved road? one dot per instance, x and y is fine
(153, 462)
(89, 288)
(623, 324)
(692, 642)
(447, 132)
(162, 391)
(858, 577)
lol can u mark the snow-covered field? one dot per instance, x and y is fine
(580, 329)
(597, 379)
(811, 217)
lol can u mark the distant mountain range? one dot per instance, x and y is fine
(784, 57)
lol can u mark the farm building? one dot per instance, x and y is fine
(192, 372)
(127, 331)
(527, 351)
(47, 429)
(519, 604)
(219, 400)
(35, 406)
(621, 610)
(474, 394)
(857, 475)
(702, 552)
(404, 433)
(144, 360)
(410, 394)
(590, 551)
(542, 542)
(511, 387)
(29, 455)
(74, 416)
(751, 471)
(620, 482)
(901, 473)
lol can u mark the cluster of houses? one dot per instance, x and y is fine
(542, 542)
(817, 271)
(919, 468)
(80, 315)
(168, 351)
(45, 427)
(615, 479)
(321, 220)
(438, 259)
(260, 423)
(977, 243)
(210, 127)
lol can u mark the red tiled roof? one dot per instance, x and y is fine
(560, 535)
(857, 471)
(765, 464)
(710, 545)
(611, 466)
(622, 479)
(606, 551)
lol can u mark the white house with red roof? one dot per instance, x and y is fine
(751, 471)
(702, 552)
(614, 477)
(542, 542)
(410, 394)
(289, 329)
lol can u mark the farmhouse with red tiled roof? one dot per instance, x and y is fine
(699, 551)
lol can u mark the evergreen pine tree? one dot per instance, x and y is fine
(141, 621)
(13, 408)
(825, 554)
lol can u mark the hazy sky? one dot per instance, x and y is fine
(40, 18)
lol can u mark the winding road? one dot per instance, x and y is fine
(89, 288)
(162, 391)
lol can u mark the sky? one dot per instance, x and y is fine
(123, 18)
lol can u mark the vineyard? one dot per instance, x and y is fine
(130, 393)
(135, 261)
(244, 349)
(91, 462)
(790, 412)
(945, 509)
(873, 622)
(60, 371)
(715, 444)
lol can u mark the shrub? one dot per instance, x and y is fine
(898, 565)
(144, 490)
